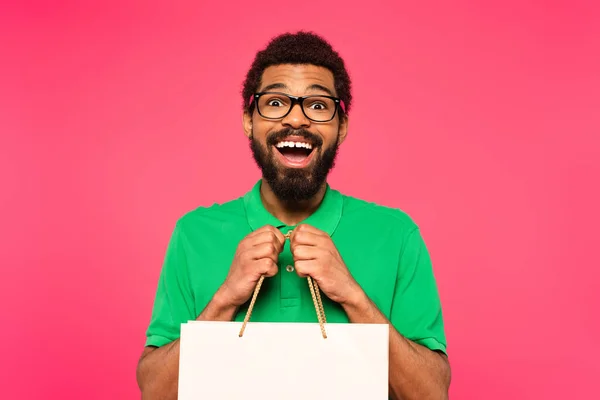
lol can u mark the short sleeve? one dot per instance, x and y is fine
(173, 303)
(416, 309)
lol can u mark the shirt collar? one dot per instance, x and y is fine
(325, 218)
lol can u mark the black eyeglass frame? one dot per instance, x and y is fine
(339, 104)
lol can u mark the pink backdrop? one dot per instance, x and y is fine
(481, 121)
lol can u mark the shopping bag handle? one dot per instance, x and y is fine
(315, 292)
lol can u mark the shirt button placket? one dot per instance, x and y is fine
(290, 295)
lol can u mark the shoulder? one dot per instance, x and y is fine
(215, 214)
(370, 212)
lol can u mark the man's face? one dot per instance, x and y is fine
(294, 153)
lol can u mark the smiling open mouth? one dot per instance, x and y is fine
(296, 152)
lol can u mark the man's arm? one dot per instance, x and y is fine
(158, 367)
(415, 372)
(256, 256)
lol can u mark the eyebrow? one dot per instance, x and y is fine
(321, 88)
(312, 87)
(274, 86)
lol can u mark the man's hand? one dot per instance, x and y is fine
(316, 256)
(257, 254)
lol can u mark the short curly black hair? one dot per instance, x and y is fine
(298, 48)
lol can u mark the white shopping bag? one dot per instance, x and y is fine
(283, 361)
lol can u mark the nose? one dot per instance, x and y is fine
(296, 118)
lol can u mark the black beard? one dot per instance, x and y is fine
(294, 185)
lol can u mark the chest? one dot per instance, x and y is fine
(286, 296)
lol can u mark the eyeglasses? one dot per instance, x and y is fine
(317, 108)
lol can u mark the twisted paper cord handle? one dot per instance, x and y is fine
(249, 312)
(314, 292)
(314, 288)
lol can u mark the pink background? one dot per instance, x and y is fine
(481, 121)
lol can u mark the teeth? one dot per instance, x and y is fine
(294, 144)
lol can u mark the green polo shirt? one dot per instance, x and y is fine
(382, 248)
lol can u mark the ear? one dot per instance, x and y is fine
(343, 130)
(247, 123)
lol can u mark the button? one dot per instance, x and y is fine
(289, 268)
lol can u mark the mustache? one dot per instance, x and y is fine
(278, 136)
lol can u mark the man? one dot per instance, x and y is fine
(369, 261)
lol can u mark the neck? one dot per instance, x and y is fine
(290, 213)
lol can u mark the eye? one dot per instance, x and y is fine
(274, 103)
(318, 106)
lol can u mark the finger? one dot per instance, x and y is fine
(303, 252)
(264, 266)
(309, 238)
(267, 228)
(267, 236)
(310, 228)
(268, 267)
(306, 268)
(265, 250)
(250, 239)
